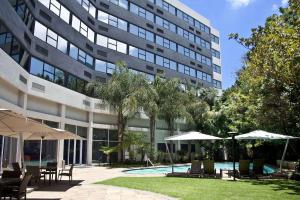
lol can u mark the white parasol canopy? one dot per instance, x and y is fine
(262, 135)
(18, 126)
(192, 135)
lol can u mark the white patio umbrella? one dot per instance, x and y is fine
(18, 126)
(264, 135)
(188, 136)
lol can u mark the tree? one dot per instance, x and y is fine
(119, 94)
(269, 85)
(149, 101)
(173, 103)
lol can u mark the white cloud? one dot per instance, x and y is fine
(239, 3)
(284, 3)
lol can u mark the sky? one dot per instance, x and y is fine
(234, 16)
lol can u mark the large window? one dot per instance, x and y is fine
(105, 67)
(165, 23)
(215, 39)
(203, 59)
(202, 42)
(57, 8)
(202, 27)
(83, 29)
(141, 12)
(88, 6)
(112, 20)
(111, 44)
(141, 54)
(142, 33)
(217, 84)
(121, 3)
(165, 62)
(215, 53)
(166, 43)
(47, 35)
(217, 68)
(171, 9)
(185, 17)
(46, 71)
(81, 56)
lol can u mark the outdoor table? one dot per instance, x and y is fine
(49, 170)
(9, 181)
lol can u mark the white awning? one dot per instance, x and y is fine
(262, 135)
(192, 135)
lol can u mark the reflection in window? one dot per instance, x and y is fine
(112, 20)
(81, 56)
(105, 67)
(111, 44)
(141, 12)
(83, 28)
(141, 54)
(88, 6)
(140, 32)
(121, 3)
(57, 8)
(47, 35)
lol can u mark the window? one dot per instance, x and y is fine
(164, 62)
(141, 54)
(166, 43)
(142, 33)
(150, 77)
(46, 71)
(105, 67)
(47, 35)
(57, 8)
(215, 53)
(141, 12)
(204, 76)
(202, 27)
(88, 6)
(217, 68)
(112, 20)
(203, 59)
(121, 3)
(111, 44)
(214, 38)
(217, 84)
(202, 42)
(81, 56)
(83, 28)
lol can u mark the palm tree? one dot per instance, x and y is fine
(173, 103)
(119, 94)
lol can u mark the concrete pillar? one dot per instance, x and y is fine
(90, 139)
(60, 143)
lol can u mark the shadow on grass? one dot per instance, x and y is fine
(293, 187)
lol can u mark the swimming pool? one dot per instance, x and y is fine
(184, 168)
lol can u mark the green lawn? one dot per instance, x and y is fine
(212, 189)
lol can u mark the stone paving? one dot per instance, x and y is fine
(83, 188)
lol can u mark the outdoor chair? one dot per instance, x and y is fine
(195, 169)
(17, 192)
(258, 167)
(17, 168)
(67, 172)
(51, 169)
(36, 174)
(209, 168)
(244, 166)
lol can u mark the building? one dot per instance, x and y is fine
(51, 49)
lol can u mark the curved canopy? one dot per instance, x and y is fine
(262, 135)
(192, 135)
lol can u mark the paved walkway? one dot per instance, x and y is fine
(85, 189)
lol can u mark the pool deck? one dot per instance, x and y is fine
(83, 187)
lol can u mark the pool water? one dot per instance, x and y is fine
(184, 168)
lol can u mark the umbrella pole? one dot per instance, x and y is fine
(170, 157)
(284, 153)
(2, 153)
(41, 149)
(234, 144)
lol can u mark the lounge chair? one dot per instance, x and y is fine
(244, 166)
(10, 174)
(196, 169)
(209, 168)
(258, 167)
(17, 168)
